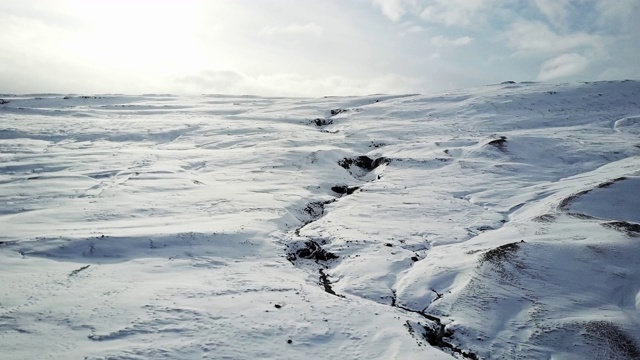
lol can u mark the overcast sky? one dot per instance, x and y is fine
(311, 47)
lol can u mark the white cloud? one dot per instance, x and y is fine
(292, 29)
(323, 44)
(460, 13)
(393, 9)
(442, 41)
(562, 66)
(556, 11)
(533, 37)
(448, 12)
(618, 13)
(414, 29)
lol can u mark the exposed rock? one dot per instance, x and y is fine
(343, 189)
(363, 162)
(499, 143)
(311, 250)
(335, 112)
(322, 122)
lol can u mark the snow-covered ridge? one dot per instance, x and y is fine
(489, 223)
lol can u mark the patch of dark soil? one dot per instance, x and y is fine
(611, 182)
(485, 228)
(499, 143)
(437, 335)
(630, 229)
(335, 112)
(504, 261)
(380, 161)
(76, 271)
(311, 250)
(617, 340)
(501, 253)
(438, 295)
(363, 162)
(582, 216)
(544, 218)
(316, 209)
(394, 298)
(326, 284)
(322, 122)
(344, 189)
(564, 204)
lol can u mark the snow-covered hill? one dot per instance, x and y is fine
(493, 223)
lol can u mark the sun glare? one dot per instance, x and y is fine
(140, 35)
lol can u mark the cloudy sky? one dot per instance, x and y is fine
(311, 47)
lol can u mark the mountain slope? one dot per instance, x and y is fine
(497, 222)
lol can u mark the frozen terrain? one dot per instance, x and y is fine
(500, 222)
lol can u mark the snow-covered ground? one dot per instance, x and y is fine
(491, 223)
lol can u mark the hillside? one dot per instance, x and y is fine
(499, 222)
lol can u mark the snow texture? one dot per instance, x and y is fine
(499, 222)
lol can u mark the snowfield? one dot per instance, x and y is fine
(500, 222)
